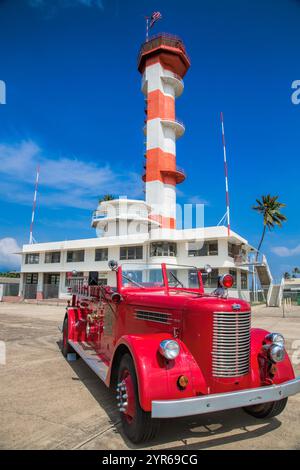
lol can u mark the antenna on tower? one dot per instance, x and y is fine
(227, 213)
(31, 239)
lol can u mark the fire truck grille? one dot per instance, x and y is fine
(231, 344)
(158, 317)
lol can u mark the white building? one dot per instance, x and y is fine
(47, 267)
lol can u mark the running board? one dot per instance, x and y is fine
(90, 357)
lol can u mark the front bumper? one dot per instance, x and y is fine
(223, 401)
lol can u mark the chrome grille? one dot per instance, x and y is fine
(231, 344)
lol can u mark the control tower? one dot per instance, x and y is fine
(163, 62)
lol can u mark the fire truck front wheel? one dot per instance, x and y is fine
(137, 424)
(267, 410)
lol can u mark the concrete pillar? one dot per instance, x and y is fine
(21, 286)
(40, 286)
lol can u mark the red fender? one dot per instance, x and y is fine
(157, 377)
(285, 370)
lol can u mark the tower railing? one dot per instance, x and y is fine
(162, 39)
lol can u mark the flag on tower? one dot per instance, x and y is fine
(155, 17)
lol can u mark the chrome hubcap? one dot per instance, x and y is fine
(122, 396)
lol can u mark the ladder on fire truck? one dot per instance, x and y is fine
(94, 297)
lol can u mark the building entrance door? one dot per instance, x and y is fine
(30, 287)
(51, 285)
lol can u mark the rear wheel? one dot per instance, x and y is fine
(267, 410)
(137, 423)
(66, 348)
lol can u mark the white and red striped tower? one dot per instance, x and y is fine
(163, 62)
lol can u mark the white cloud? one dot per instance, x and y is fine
(8, 257)
(284, 251)
(64, 182)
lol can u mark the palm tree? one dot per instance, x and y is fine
(295, 272)
(269, 207)
(106, 197)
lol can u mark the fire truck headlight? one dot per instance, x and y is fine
(276, 352)
(276, 338)
(169, 349)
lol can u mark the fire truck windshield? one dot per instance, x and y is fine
(152, 275)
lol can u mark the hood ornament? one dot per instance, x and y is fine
(236, 306)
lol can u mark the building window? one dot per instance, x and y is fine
(210, 279)
(52, 257)
(131, 252)
(208, 248)
(163, 249)
(51, 278)
(244, 280)
(75, 256)
(101, 254)
(233, 274)
(31, 278)
(234, 250)
(32, 258)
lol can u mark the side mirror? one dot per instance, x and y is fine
(113, 265)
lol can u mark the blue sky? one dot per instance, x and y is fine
(74, 106)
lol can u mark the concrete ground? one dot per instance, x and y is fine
(49, 403)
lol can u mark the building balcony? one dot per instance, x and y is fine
(103, 216)
(174, 124)
(175, 81)
(177, 173)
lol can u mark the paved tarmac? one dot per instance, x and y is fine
(49, 403)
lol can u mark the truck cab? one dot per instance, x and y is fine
(169, 349)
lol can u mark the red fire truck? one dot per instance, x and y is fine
(169, 349)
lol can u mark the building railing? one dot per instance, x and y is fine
(253, 257)
(176, 121)
(180, 170)
(102, 214)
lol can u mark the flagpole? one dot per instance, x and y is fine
(226, 176)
